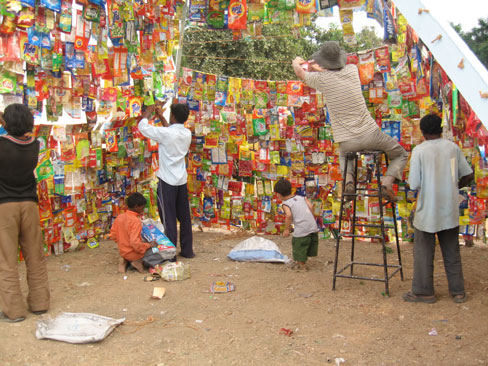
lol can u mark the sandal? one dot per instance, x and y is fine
(388, 194)
(297, 266)
(411, 297)
(5, 318)
(460, 298)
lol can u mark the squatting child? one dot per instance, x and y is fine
(126, 232)
(298, 210)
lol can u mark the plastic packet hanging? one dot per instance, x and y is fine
(8, 83)
(54, 5)
(237, 14)
(25, 18)
(8, 24)
(65, 19)
(306, 6)
(29, 3)
(366, 67)
(91, 13)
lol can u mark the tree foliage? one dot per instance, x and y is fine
(268, 57)
(477, 39)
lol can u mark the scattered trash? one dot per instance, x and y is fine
(125, 277)
(83, 284)
(433, 332)
(339, 360)
(158, 293)
(92, 243)
(77, 327)
(305, 295)
(151, 278)
(257, 249)
(285, 331)
(173, 271)
(65, 267)
(124, 310)
(458, 337)
(222, 287)
(198, 321)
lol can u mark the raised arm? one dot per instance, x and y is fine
(146, 129)
(160, 113)
(297, 67)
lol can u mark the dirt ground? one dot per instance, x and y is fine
(354, 325)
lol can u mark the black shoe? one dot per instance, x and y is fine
(39, 312)
(192, 255)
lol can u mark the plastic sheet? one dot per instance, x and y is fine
(257, 249)
(77, 327)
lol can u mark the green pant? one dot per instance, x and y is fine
(305, 246)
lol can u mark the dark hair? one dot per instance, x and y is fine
(431, 124)
(18, 119)
(180, 111)
(136, 199)
(283, 187)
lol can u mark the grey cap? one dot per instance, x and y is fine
(330, 56)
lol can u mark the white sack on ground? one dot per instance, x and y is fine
(77, 327)
(257, 249)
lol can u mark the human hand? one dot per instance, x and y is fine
(160, 111)
(299, 60)
(315, 66)
(148, 112)
(153, 244)
(286, 232)
(2, 121)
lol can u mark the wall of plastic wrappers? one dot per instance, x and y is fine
(105, 60)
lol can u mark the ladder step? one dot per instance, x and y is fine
(360, 236)
(376, 226)
(367, 195)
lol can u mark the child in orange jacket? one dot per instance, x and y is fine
(126, 232)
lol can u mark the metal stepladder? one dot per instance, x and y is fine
(363, 190)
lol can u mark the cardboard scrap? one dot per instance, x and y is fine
(158, 293)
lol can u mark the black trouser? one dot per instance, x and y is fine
(423, 257)
(173, 205)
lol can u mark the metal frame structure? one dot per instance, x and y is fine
(363, 190)
(456, 58)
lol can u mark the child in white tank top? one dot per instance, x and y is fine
(298, 211)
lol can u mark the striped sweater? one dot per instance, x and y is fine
(345, 102)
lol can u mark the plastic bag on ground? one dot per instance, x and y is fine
(257, 249)
(77, 327)
(173, 271)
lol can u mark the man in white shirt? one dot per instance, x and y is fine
(438, 169)
(173, 140)
(352, 125)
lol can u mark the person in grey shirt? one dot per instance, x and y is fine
(438, 169)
